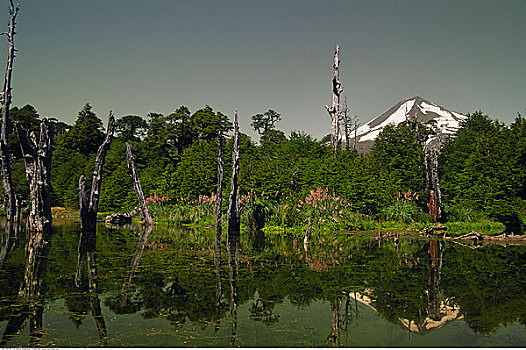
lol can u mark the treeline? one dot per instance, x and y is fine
(482, 169)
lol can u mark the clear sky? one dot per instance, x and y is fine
(136, 57)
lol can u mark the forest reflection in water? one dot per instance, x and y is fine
(178, 287)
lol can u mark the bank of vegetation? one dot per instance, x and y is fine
(287, 181)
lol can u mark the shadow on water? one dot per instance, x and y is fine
(175, 287)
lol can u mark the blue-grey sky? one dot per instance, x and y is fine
(136, 57)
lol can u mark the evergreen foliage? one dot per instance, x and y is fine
(482, 169)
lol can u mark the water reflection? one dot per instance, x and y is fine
(233, 247)
(213, 294)
(29, 300)
(143, 239)
(87, 265)
(9, 241)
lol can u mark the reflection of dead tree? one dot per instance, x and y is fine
(9, 241)
(233, 269)
(87, 254)
(334, 336)
(262, 311)
(143, 239)
(308, 233)
(30, 303)
(435, 273)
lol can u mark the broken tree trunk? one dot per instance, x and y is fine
(88, 210)
(434, 196)
(145, 214)
(233, 200)
(37, 161)
(334, 110)
(10, 202)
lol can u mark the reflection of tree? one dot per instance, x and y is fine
(9, 241)
(435, 272)
(87, 261)
(217, 269)
(143, 239)
(334, 336)
(30, 303)
(233, 269)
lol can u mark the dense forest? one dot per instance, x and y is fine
(288, 179)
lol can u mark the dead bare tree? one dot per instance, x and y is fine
(219, 197)
(88, 210)
(145, 214)
(434, 195)
(10, 202)
(233, 201)
(334, 110)
(349, 124)
(37, 159)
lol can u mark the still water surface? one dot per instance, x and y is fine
(170, 288)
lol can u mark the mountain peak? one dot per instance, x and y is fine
(417, 108)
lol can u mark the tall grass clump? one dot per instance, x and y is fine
(182, 210)
(404, 209)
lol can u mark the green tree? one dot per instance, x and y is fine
(397, 159)
(86, 134)
(480, 169)
(263, 123)
(131, 128)
(207, 124)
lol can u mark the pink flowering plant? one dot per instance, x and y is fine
(320, 206)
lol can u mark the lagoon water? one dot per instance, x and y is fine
(170, 288)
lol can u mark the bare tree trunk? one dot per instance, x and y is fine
(233, 202)
(88, 213)
(434, 195)
(83, 202)
(10, 202)
(37, 161)
(145, 214)
(334, 110)
(219, 197)
(219, 204)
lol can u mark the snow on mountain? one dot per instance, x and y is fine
(445, 122)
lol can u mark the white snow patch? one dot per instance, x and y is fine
(458, 115)
(363, 129)
(370, 136)
(425, 107)
(400, 114)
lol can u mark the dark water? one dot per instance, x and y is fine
(168, 288)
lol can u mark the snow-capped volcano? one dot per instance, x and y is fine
(445, 122)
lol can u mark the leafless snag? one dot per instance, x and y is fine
(10, 202)
(434, 195)
(334, 110)
(37, 159)
(88, 210)
(233, 201)
(145, 214)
